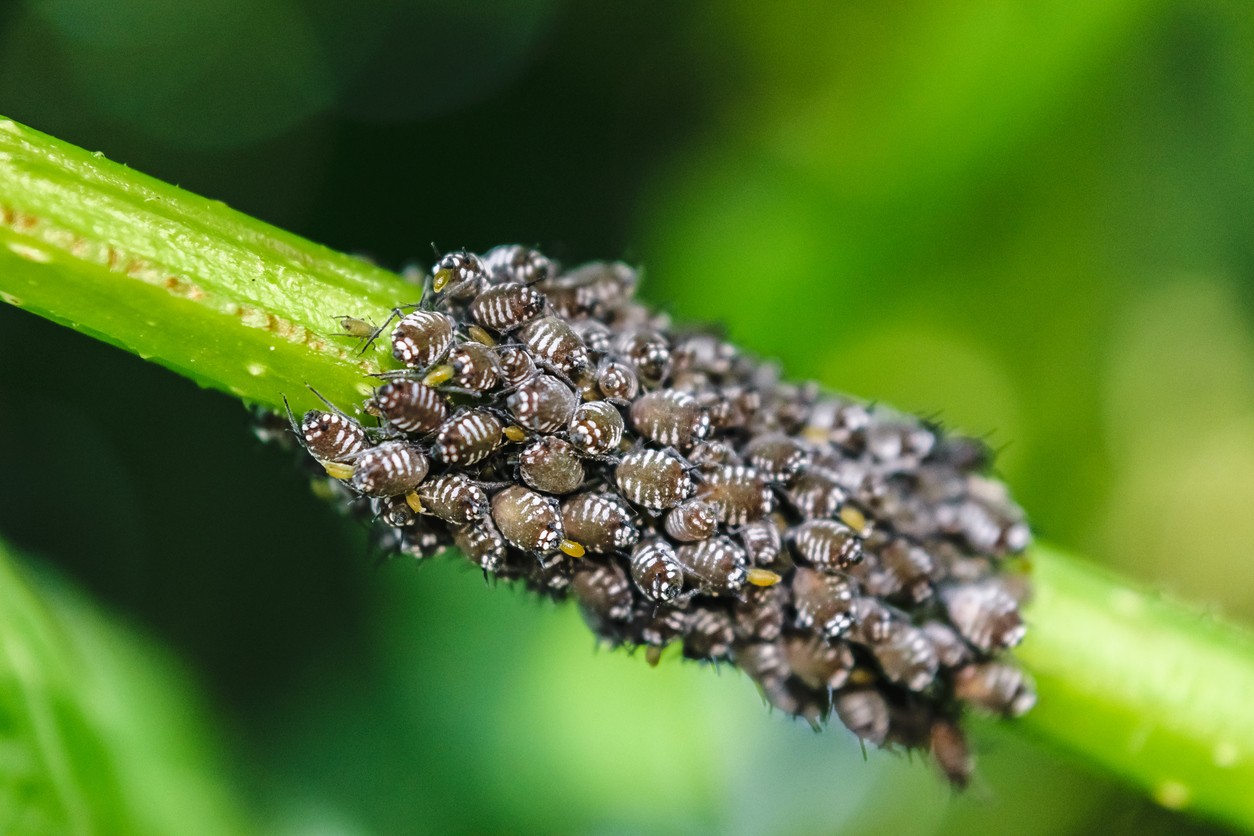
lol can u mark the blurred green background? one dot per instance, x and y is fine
(1033, 220)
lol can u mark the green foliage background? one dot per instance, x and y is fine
(1030, 219)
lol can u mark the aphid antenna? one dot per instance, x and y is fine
(424, 303)
(328, 404)
(292, 418)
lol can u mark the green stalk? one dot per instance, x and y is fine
(1139, 686)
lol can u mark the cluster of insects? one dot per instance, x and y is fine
(556, 432)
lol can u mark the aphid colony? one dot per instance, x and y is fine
(557, 433)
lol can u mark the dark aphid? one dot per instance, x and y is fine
(474, 367)
(874, 620)
(468, 437)
(551, 465)
(653, 479)
(331, 436)
(616, 380)
(949, 748)
(670, 418)
(656, 570)
(985, 614)
(897, 441)
(692, 521)
(712, 454)
(764, 545)
(731, 407)
(596, 335)
(996, 688)
(907, 657)
(708, 633)
(600, 522)
(596, 428)
(543, 404)
(817, 495)
(603, 593)
(554, 344)
(739, 494)
(990, 521)
(421, 542)
(393, 468)
(505, 307)
(950, 648)
(459, 275)
(453, 498)
(910, 566)
(865, 713)
(649, 351)
(715, 566)
(824, 603)
(818, 663)
(835, 420)
(827, 545)
(778, 457)
(706, 353)
(962, 453)
(592, 289)
(514, 364)
(421, 338)
(530, 521)
(397, 511)
(516, 263)
(410, 406)
(482, 544)
(765, 663)
(760, 612)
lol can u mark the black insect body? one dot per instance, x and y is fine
(855, 562)
(596, 428)
(656, 571)
(468, 437)
(551, 465)
(653, 479)
(409, 406)
(543, 403)
(601, 522)
(422, 338)
(505, 307)
(529, 521)
(670, 418)
(392, 468)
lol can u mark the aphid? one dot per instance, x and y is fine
(656, 570)
(468, 437)
(910, 566)
(731, 407)
(907, 657)
(354, 327)
(874, 621)
(765, 663)
(601, 522)
(596, 335)
(482, 544)
(760, 612)
(996, 688)
(603, 593)
(516, 263)
(473, 366)
(616, 380)
(453, 498)
(596, 428)
(551, 465)
(670, 418)
(705, 353)
(949, 747)
(837, 421)
(762, 541)
(331, 436)
(514, 364)
(505, 307)
(692, 521)
(951, 650)
(827, 545)
(824, 603)
(410, 406)
(653, 479)
(778, 457)
(592, 289)
(649, 351)
(543, 403)
(459, 275)
(396, 511)
(715, 566)
(817, 495)
(712, 454)
(817, 663)
(421, 338)
(530, 521)
(554, 344)
(421, 542)
(898, 441)
(985, 614)
(708, 633)
(739, 494)
(393, 468)
(865, 713)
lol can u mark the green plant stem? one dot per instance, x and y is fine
(1142, 687)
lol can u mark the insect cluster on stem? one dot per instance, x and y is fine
(850, 559)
